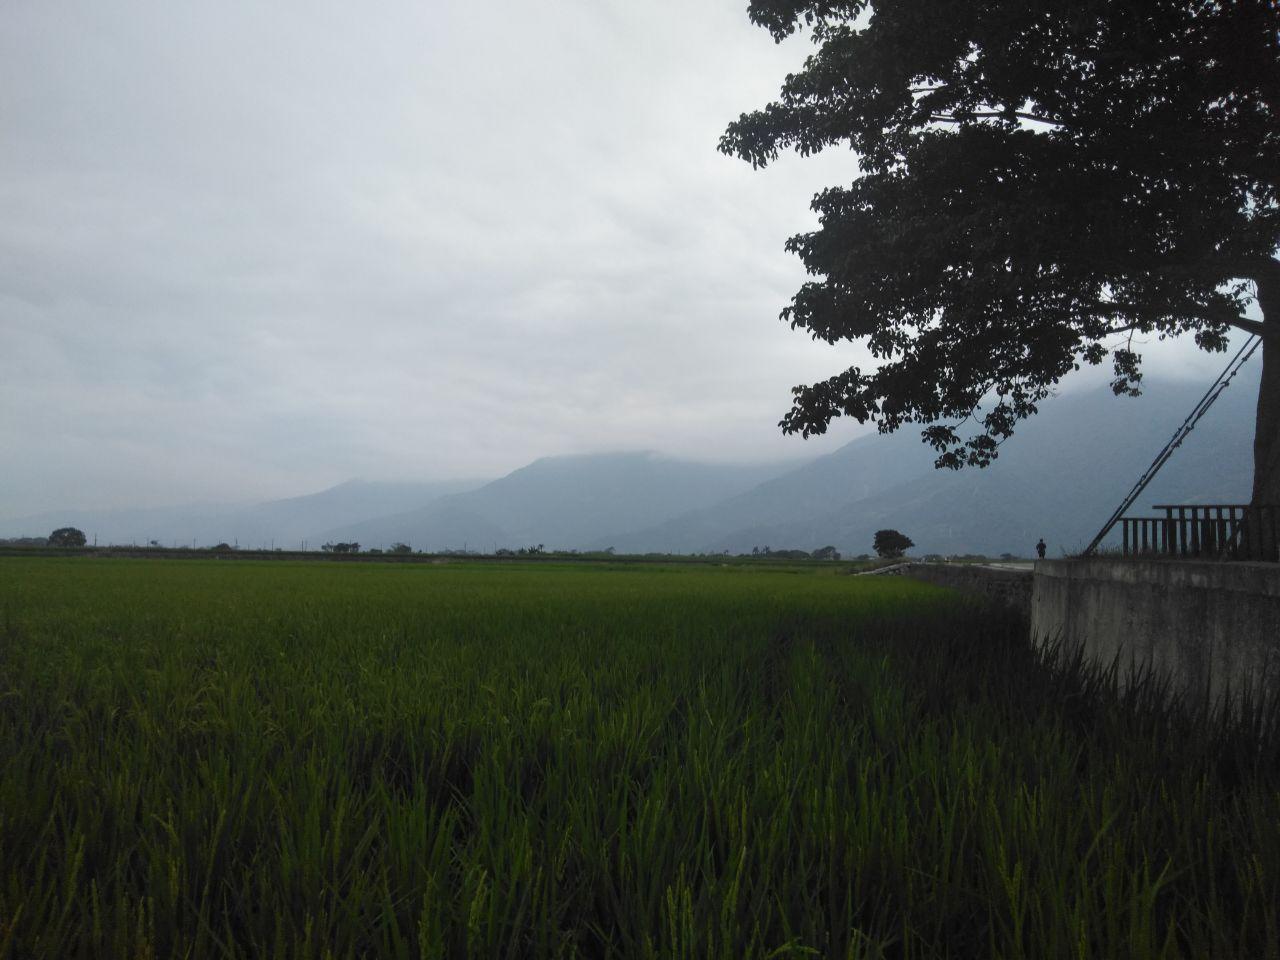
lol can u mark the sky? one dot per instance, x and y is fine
(252, 250)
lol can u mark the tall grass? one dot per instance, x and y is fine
(231, 760)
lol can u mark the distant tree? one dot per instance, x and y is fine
(400, 548)
(67, 537)
(223, 547)
(891, 544)
(787, 554)
(826, 553)
(1035, 183)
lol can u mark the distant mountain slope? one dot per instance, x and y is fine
(858, 469)
(352, 502)
(562, 502)
(285, 522)
(1059, 477)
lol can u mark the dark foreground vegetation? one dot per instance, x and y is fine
(213, 759)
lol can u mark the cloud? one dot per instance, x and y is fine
(254, 249)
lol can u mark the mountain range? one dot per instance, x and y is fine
(1059, 478)
(286, 523)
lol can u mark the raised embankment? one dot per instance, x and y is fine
(1199, 623)
(1213, 626)
(1010, 586)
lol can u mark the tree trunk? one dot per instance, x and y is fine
(1266, 437)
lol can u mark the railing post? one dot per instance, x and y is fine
(1267, 524)
(1237, 531)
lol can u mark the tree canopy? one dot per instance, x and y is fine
(67, 537)
(891, 544)
(1037, 183)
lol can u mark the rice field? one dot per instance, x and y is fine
(233, 759)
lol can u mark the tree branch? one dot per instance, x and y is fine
(1254, 327)
(1218, 269)
(1113, 308)
(1243, 323)
(995, 115)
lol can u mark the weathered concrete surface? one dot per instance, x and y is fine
(1198, 623)
(1007, 585)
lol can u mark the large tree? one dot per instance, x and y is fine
(891, 544)
(67, 537)
(1037, 183)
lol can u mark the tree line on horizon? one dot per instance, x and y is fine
(888, 544)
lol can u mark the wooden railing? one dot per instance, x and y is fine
(1230, 531)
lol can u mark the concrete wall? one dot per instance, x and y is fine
(1195, 621)
(1005, 585)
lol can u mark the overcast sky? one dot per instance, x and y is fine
(252, 250)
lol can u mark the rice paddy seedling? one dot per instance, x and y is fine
(225, 759)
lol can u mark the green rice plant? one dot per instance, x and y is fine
(232, 759)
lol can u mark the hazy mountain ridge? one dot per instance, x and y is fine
(563, 502)
(285, 523)
(1059, 477)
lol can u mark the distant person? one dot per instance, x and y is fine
(1040, 548)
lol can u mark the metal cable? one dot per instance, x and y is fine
(1215, 390)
